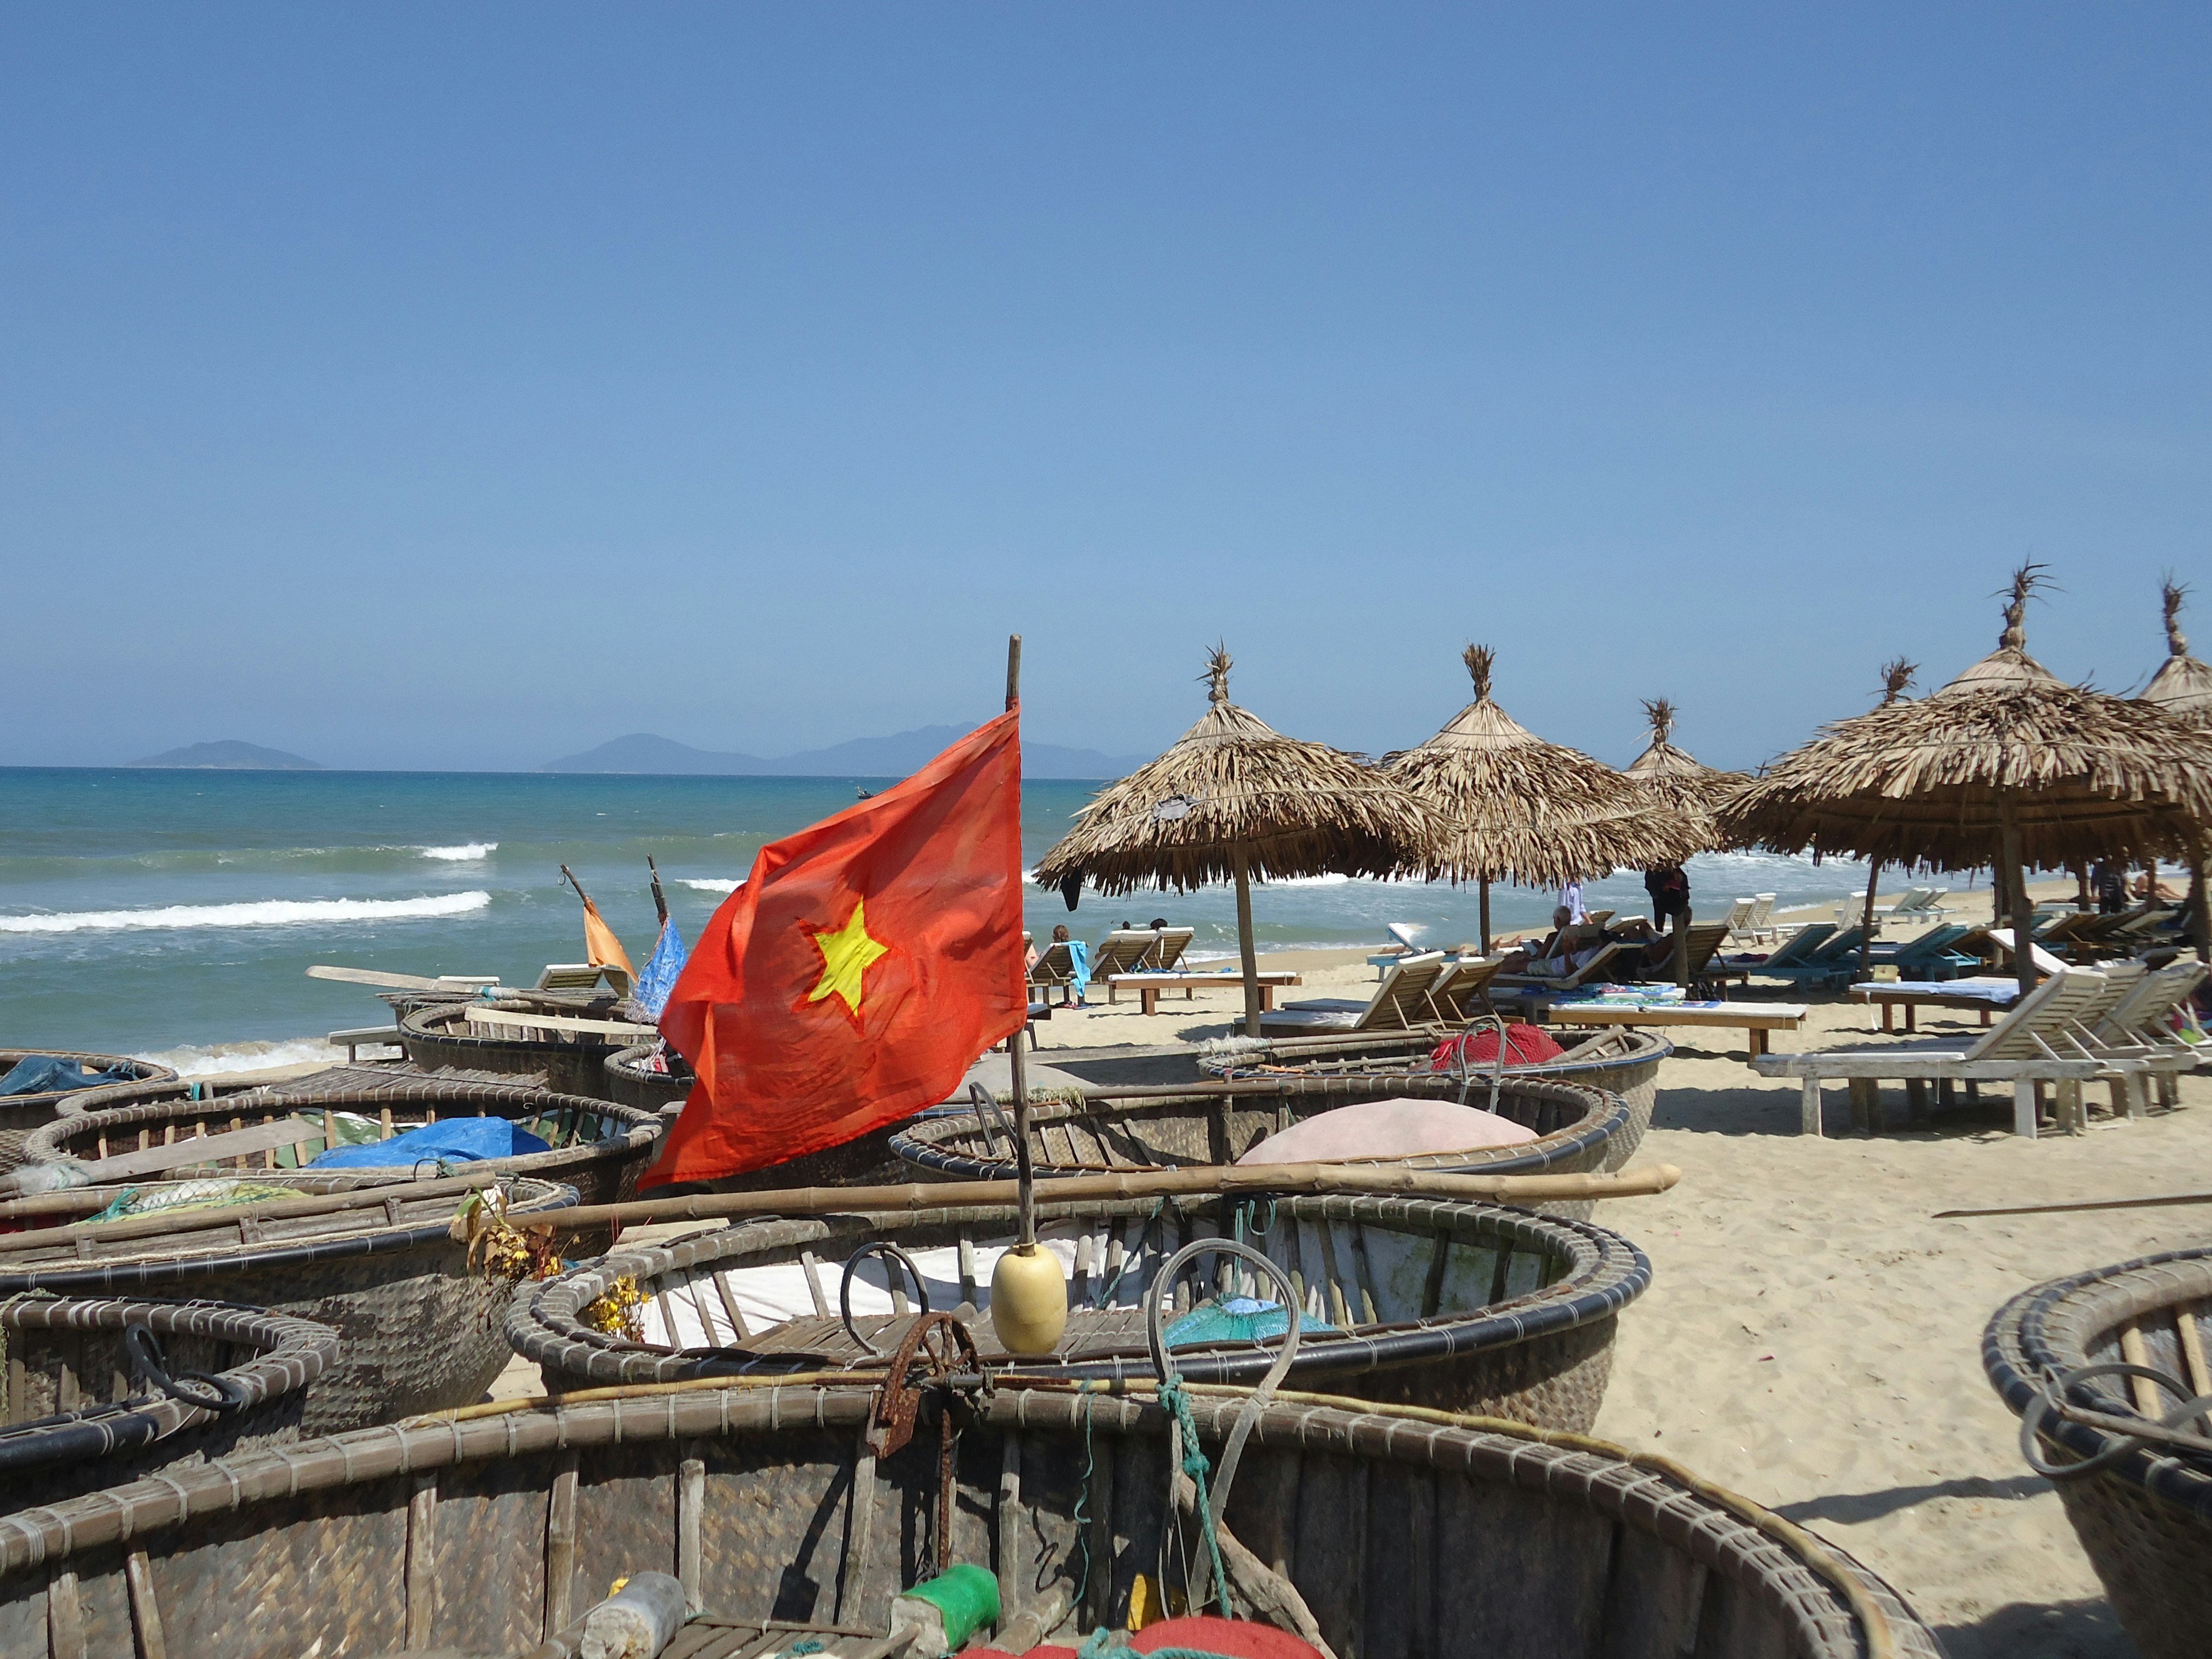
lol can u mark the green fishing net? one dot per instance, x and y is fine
(191, 1195)
(1238, 1318)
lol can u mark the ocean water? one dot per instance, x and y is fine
(174, 914)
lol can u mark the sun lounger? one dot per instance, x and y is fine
(1132, 950)
(2135, 1029)
(1592, 972)
(1756, 1020)
(1795, 949)
(1148, 984)
(1832, 959)
(1931, 955)
(1761, 923)
(2034, 1043)
(581, 976)
(1054, 970)
(1907, 904)
(1978, 993)
(2043, 960)
(1403, 999)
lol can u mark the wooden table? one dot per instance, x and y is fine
(1755, 1019)
(1148, 986)
(1891, 999)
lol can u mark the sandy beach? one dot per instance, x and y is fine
(1812, 1337)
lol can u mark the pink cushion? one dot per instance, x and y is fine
(1388, 1128)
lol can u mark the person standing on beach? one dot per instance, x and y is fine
(1571, 896)
(2110, 888)
(1669, 887)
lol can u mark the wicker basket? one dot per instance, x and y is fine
(1400, 1534)
(1619, 1062)
(418, 1326)
(632, 1081)
(440, 1037)
(1117, 1129)
(2145, 1520)
(1462, 1306)
(20, 1113)
(87, 1419)
(597, 1147)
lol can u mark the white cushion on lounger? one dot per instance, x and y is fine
(1386, 1130)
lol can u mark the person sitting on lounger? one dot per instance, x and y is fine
(1565, 948)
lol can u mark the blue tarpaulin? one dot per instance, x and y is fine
(659, 978)
(46, 1074)
(456, 1140)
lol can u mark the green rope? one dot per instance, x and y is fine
(1130, 1260)
(1195, 1466)
(1246, 1216)
(1082, 1519)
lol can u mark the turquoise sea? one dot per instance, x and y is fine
(173, 913)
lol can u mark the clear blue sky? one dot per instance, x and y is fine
(463, 386)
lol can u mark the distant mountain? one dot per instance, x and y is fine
(864, 757)
(232, 756)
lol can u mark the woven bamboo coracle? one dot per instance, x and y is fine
(80, 1412)
(598, 1146)
(20, 1113)
(440, 1037)
(1462, 1306)
(1388, 1533)
(2145, 1519)
(417, 1321)
(632, 1082)
(1579, 1129)
(1619, 1062)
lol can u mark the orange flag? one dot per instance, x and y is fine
(601, 948)
(858, 972)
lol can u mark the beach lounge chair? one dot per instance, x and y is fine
(1931, 955)
(1463, 986)
(1139, 950)
(1761, 926)
(1592, 972)
(1739, 915)
(2034, 1043)
(1907, 904)
(1054, 970)
(581, 976)
(1403, 999)
(2137, 1027)
(1796, 949)
(1832, 960)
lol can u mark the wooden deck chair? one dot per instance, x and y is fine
(1055, 969)
(1592, 972)
(1123, 951)
(1797, 948)
(1401, 1000)
(1761, 924)
(1168, 945)
(1464, 982)
(581, 976)
(1739, 915)
(1907, 904)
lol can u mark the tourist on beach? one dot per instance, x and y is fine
(1570, 898)
(1669, 887)
(2111, 887)
(2148, 886)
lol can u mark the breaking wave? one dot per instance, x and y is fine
(264, 912)
(467, 851)
(704, 884)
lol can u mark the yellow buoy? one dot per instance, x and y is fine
(1029, 1300)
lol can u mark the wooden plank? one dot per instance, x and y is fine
(1363, 1272)
(2133, 1349)
(1012, 1521)
(561, 1547)
(1339, 1314)
(813, 1275)
(968, 1269)
(145, 1609)
(240, 1143)
(401, 982)
(64, 1616)
(420, 1576)
(860, 1524)
(730, 1303)
(691, 1502)
(517, 1019)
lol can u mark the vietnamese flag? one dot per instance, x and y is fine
(858, 972)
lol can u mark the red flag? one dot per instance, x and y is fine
(858, 972)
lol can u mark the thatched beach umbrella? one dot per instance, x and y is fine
(2007, 765)
(2183, 687)
(1233, 798)
(1675, 775)
(1519, 809)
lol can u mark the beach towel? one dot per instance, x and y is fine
(1079, 958)
(456, 1140)
(48, 1074)
(1525, 1045)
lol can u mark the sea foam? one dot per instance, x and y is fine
(264, 912)
(705, 885)
(211, 1059)
(467, 851)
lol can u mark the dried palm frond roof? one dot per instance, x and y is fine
(2087, 774)
(2183, 685)
(1675, 775)
(1520, 809)
(1296, 809)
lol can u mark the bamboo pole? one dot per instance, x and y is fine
(1246, 952)
(2200, 925)
(1017, 1044)
(1484, 885)
(1866, 922)
(659, 899)
(2015, 881)
(2156, 1201)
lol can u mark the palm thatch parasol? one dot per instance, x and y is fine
(1675, 775)
(2007, 765)
(1520, 809)
(2183, 687)
(1233, 798)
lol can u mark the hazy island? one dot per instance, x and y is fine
(230, 756)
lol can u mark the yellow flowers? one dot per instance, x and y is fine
(615, 1312)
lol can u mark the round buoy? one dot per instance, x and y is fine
(1029, 1300)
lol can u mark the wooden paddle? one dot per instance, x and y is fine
(1385, 1180)
(2149, 1203)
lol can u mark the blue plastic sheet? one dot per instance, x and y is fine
(1239, 1319)
(46, 1074)
(456, 1140)
(659, 978)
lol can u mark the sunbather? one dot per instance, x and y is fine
(1571, 944)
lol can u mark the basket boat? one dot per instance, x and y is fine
(20, 1113)
(1578, 1128)
(2144, 1517)
(440, 1037)
(1460, 1306)
(632, 1080)
(418, 1325)
(84, 1411)
(598, 1146)
(1619, 1060)
(1399, 1533)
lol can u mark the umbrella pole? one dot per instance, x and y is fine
(1017, 1061)
(2015, 887)
(1866, 923)
(1250, 958)
(2200, 925)
(1485, 915)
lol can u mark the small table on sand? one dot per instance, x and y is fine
(1912, 996)
(1754, 1019)
(1148, 986)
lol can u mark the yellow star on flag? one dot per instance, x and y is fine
(848, 953)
